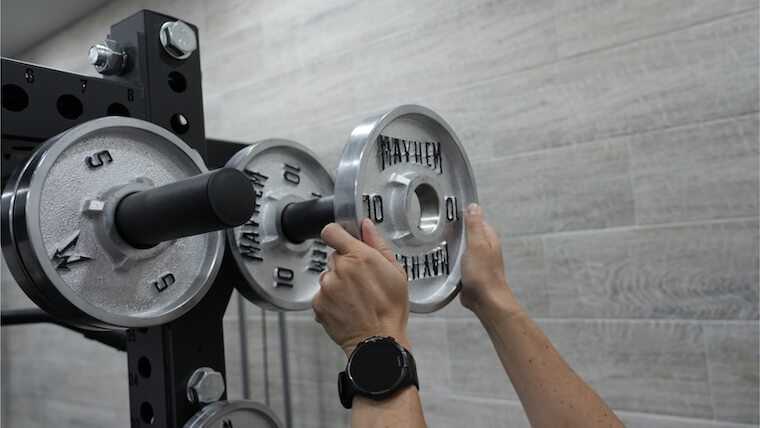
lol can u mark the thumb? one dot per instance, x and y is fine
(476, 231)
(374, 240)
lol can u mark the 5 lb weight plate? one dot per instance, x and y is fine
(61, 243)
(234, 414)
(275, 272)
(407, 171)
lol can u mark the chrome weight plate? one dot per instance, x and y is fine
(235, 414)
(276, 273)
(406, 170)
(59, 218)
(12, 257)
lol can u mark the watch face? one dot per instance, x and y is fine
(376, 366)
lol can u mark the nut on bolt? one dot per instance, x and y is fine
(178, 39)
(108, 57)
(205, 385)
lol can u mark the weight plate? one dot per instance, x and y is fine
(235, 414)
(276, 273)
(60, 215)
(13, 260)
(407, 171)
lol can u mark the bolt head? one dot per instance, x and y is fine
(108, 57)
(178, 39)
(205, 385)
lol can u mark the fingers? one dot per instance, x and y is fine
(492, 235)
(476, 230)
(324, 277)
(337, 237)
(374, 240)
(331, 262)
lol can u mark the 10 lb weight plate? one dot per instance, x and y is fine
(61, 243)
(275, 272)
(407, 171)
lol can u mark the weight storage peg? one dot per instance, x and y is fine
(406, 170)
(97, 225)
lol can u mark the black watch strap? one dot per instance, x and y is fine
(347, 392)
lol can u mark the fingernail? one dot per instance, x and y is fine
(473, 209)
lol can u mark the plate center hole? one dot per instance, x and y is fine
(429, 211)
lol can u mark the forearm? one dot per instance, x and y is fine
(552, 394)
(403, 409)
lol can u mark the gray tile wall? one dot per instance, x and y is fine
(615, 146)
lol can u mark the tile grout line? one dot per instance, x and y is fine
(608, 138)
(659, 34)
(633, 228)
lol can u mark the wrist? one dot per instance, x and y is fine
(497, 301)
(399, 336)
(498, 310)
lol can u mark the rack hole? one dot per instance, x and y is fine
(177, 81)
(179, 123)
(14, 97)
(69, 106)
(146, 413)
(143, 367)
(117, 109)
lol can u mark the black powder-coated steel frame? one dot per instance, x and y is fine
(41, 102)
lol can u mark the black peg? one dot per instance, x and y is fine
(204, 203)
(304, 220)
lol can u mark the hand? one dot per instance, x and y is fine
(483, 280)
(364, 290)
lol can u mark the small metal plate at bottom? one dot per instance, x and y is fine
(276, 273)
(235, 414)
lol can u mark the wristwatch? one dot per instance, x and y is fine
(377, 368)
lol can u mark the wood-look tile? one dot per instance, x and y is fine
(677, 78)
(732, 350)
(282, 37)
(704, 171)
(456, 411)
(479, 43)
(653, 367)
(584, 26)
(648, 367)
(578, 187)
(47, 362)
(700, 271)
(429, 342)
(31, 412)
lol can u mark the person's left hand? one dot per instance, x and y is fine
(364, 290)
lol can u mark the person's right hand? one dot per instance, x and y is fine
(482, 264)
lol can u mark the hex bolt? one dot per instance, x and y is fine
(108, 57)
(178, 39)
(205, 385)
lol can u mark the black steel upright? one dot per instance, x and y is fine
(40, 102)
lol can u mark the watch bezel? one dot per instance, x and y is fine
(402, 376)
